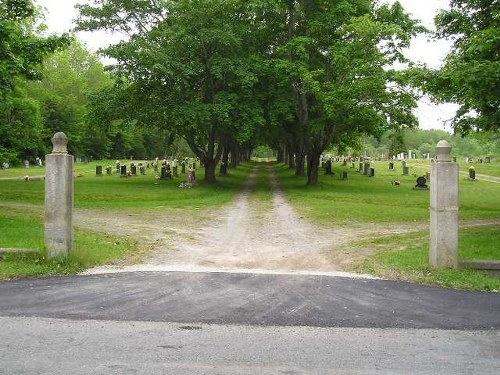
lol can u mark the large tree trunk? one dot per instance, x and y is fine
(235, 156)
(224, 161)
(291, 159)
(210, 166)
(280, 155)
(300, 170)
(313, 168)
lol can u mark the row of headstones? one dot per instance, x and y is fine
(122, 169)
(166, 171)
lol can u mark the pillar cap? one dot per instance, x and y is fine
(59, 141)
(443, 151)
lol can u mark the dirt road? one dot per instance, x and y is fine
(242, 236)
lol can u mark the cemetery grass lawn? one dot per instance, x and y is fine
(364, 199)
(407, 259)
(21, 217)
(138, 192)
(91, 249)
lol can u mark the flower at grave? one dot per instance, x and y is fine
(396, 182)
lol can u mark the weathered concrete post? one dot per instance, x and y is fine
(59, 198)
(443, 250)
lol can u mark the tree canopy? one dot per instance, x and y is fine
(22, 51)
(470, 76)
(224, 73)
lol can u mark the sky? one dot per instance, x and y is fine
(61, 13)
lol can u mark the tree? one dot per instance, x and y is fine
(470, 76)
(21, 50)
(189, 62)
(337, 56)
(69, 77)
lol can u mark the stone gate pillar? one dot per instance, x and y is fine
(443, 251)
(59, 198)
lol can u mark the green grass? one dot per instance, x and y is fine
(407, 259)
(261, 193)
(91, 249)
(139, 192)
(22, 225)
(374, 200)
(333, 202)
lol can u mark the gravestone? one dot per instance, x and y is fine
(142, 169)
(133, 169)
(59, 192)
(391, 165)
(109, 171)
(360, 167)
(428, 176)
(163, 174)
(98, 170)
(366, 170)
(406, 171)
(421, 184)
(472, 173)
(117, 166)
(123, 171)
(328, 166)
(183, 167)
(344, 175)
(443, 247)
(371, 172)
(487, 159)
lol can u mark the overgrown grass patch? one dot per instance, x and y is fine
(405, 257)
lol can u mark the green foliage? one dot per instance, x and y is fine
(69, 77)
(471, 74)
(422, 142)
(192, 71)
(21, 50)
(22, 53)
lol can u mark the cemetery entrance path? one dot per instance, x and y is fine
(251, 234)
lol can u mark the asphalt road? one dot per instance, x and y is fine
(226, 323)
(250, 299)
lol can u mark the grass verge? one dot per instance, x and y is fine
(91, 249)
(408, 259)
